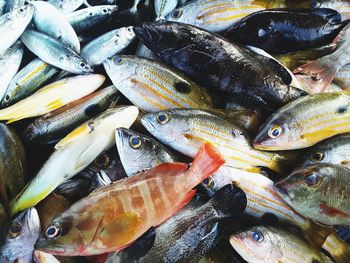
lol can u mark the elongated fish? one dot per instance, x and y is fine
(73, 153)
(141, 202)
(52, 96)
(152, 86)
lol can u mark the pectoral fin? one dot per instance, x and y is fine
(75, 135)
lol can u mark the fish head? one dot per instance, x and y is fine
(121, 67)
(178, 15)
(81, 65)
(23, 11)
(106, 9)
(20, 235)
(125, 35)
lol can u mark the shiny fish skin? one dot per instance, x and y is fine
(164, 7)
(152, 86)
(55, 125)
(28, 80)
(147, 153)
(342, 6)
(214, 16)
(73, 153)
(342, 78)
(305, 122)
(54, 52)
(143, 51)
(66, 6)
(12, 4)
(13, 24)
(107, 45)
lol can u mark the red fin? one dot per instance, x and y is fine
(331, 211)
(98, 258)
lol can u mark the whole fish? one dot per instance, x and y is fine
(10, 61)
(52, 96)
(319, 192)
(152, 86)
(164, 7)
(139, 152)
(224, 68)
(342, 6)
(28, 80)
(87, 18)
(107, 45)
(142, 201)
(13, 165)
(185, 130)
(320, 72)
(305, 122)
(19, 237)
(334, 150)
(190, 234)
(264, 244)
(214, 16)
(74, 153)
(13, 24)
(54, 52)
(49, 20)
(286, 30)
(56, 124)
(66, 6)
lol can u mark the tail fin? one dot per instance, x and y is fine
(207, 162)
(229, 201)
(337, 248)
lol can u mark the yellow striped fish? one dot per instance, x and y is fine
(186, 130)
(342, 78)
(214, 15)
(305, 122)
(52, 96)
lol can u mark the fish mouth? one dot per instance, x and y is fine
(44, 245)
(120, 136)
(147, 123)
(280, 189)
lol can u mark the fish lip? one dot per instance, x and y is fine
(120, 135)
(148, 124)
(282, 191)
(41, 245)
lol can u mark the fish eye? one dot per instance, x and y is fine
(208, 182)
(82, 64)
(317, 156)
(105, 10)
(162, 118)
(21, 10)
(53, 231)
(275, 132)
(177, 13)
(102, 160)
(257, 236)
(7, 98)
(130, 29)
(135, 142)
(14, 230)
(118, 60)
(311, 179)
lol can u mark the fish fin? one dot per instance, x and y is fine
(75, 134)
(55, 104)
(89, 154)
(331, 211)
(337, 248)
(15, 119)
(253, 169)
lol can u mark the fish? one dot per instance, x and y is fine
(49, 20)
(153, 86)
(185, 130)
(221, 66)
(19, 236)
(90, 226)
(286, 30)
(272, 4)
(13, 165)
(342, 78)
(13, 24)
(74, 153)
(342, 6)
(10, 62)
(66, 6)
(42, 257)
(164, 7)
(28, 80)
(261, 244)
(321, 72)
(143, 51)
(56, 124)
(334, 150)
(214, 16)
(52, 97)
(305, 122)
(190, 234)
(54, 52)
(107, 45)
(10, 5)
(319, 192)
(87, 18)
(139, 152)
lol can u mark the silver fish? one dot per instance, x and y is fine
(66, 6)
(12, 4)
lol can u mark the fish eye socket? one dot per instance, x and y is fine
(162, 118)
(318, 156)
(7, 98)
(105, 10)
(53, 231)
(82, 64)
(177, 13)
(118, 61)
(21, 10)
(14, 230)
(257, 236)
(135, 142)
(274, 132)
(311, 179)
(208, 182)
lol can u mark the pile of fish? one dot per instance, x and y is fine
(175, 131)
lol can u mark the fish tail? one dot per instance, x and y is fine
(278, 163)
(337, 248)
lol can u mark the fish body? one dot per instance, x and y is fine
(143, 51)
(13, 24)
(66, 6)
(141, 202)
(319, 192)
(164, 7)
(54, 52)
(107, 45)
(342, 78)
(226, 69)
(56, 124)
(305, 122)
(139, 152)
(342, 6)
(74, 153)
(152, 86)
